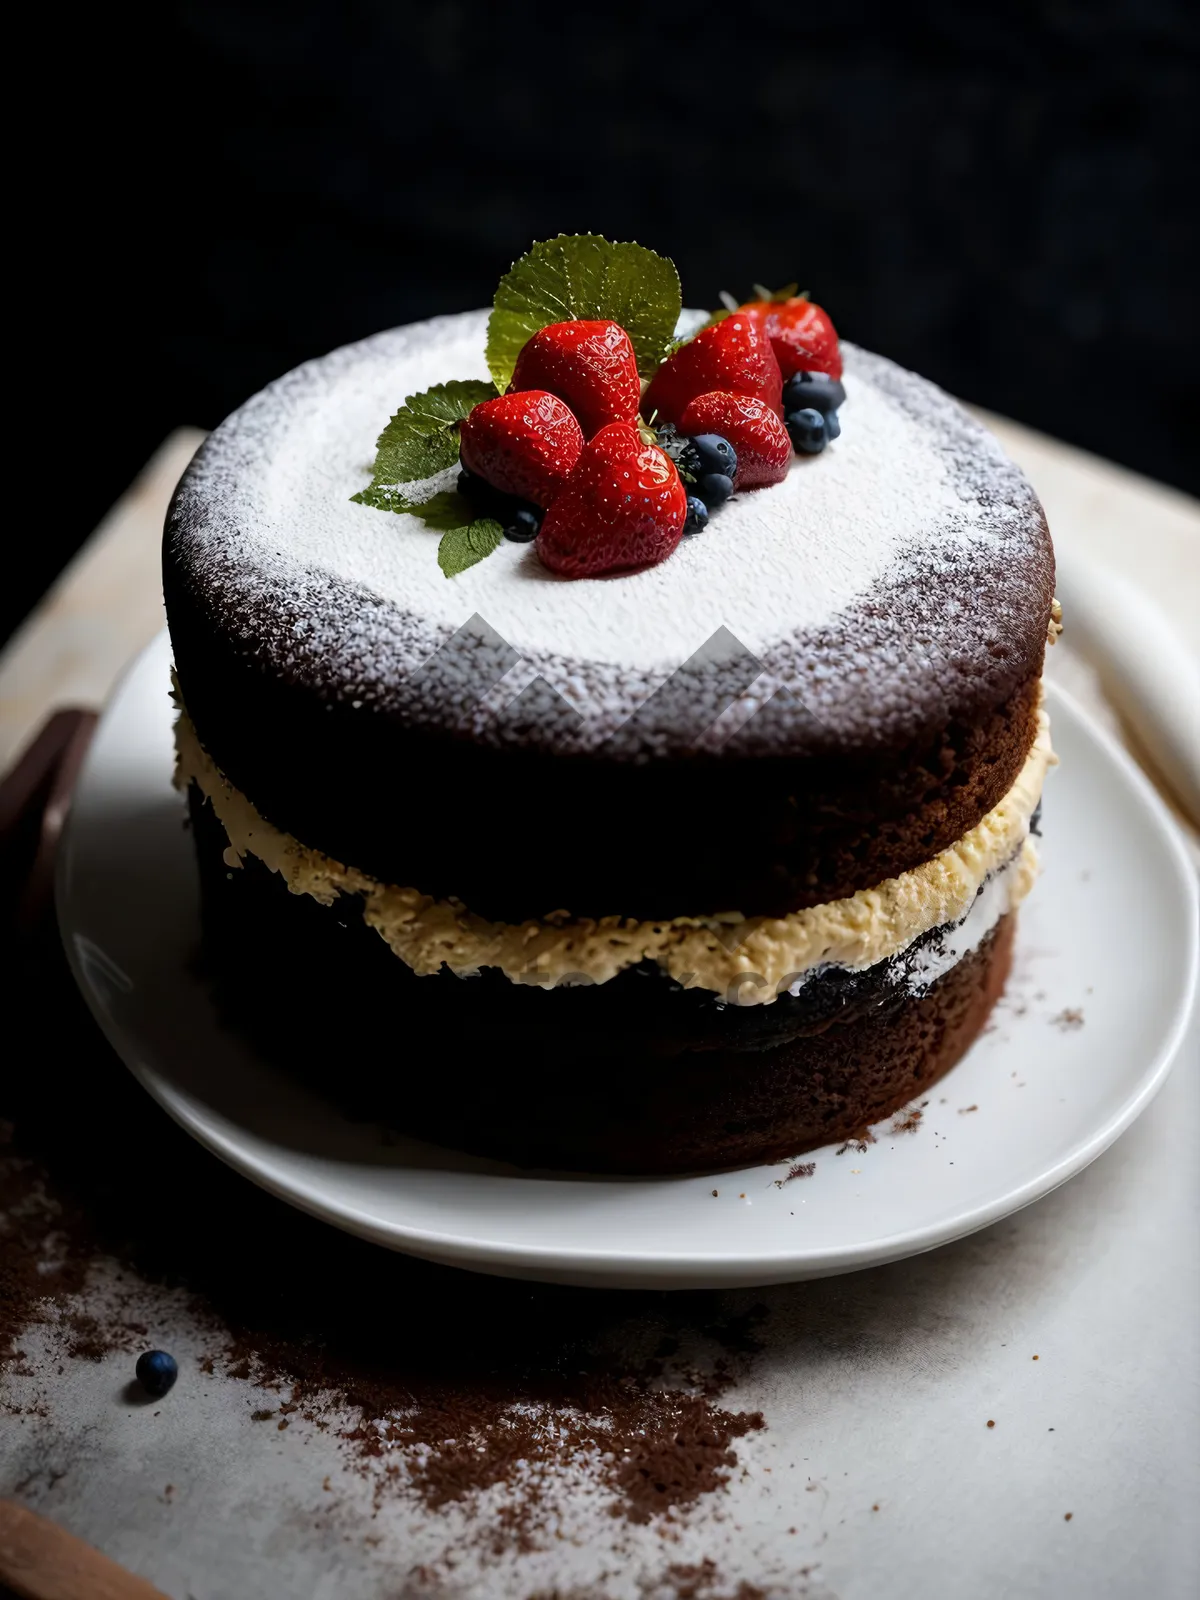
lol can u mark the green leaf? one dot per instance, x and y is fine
(584, 276)
(466, 538)
(445, 511)
(421, 440)
(461, 548)
(382, 497)
(642, 293)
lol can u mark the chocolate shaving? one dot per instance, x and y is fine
(802, 1169)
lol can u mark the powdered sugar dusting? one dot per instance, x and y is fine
(913, 501)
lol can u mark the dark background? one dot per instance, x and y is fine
(997, 194)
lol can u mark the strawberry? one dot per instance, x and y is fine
(624, 506)
(733, 356)
(522, 444)
(764, 451)
(590, 365)
(801, 335)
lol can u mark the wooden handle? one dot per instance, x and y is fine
(34, 799)
(41, 1561)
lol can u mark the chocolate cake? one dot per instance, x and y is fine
(700, 864)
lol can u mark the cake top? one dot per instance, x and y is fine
(902, 570)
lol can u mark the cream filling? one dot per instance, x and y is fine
(747, 960)
(1006, 887)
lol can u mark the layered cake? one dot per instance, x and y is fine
(588, 778)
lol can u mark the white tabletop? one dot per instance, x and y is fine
(877, 1389)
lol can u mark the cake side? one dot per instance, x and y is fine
(747, 961)
(634, 1075)
(871, 699)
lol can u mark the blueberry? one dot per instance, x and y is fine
(813, 390)
(714, 454)
(833, 428)
(156, 1372)
(697, 515)
(806, 429)
(714, 488)
(524, 525)
(687, 458)
(484, 499)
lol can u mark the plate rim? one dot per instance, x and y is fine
(641, 1265)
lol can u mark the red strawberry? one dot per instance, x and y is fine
(764, 451)
(590, 365)
(733, 355)
(623, 507)
(524, 444)
(801, 335)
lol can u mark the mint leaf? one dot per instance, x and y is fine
(584, 276)
(641, 292)
(446, 511)
(461, 548)
(383, 497)
(421, 440)
(466, 537)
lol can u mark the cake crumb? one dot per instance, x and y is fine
(907, 1121)
(1067, 1515)
(962, 1110)
(857, 1141)
(803, 1169)
(1069, 1018)
(991, 1423)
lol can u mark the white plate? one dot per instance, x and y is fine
(1109, 936)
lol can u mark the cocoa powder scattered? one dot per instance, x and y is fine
(1067, 1020)
(439, 1384)
(701, 1580)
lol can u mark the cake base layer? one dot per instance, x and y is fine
(635, 1075)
